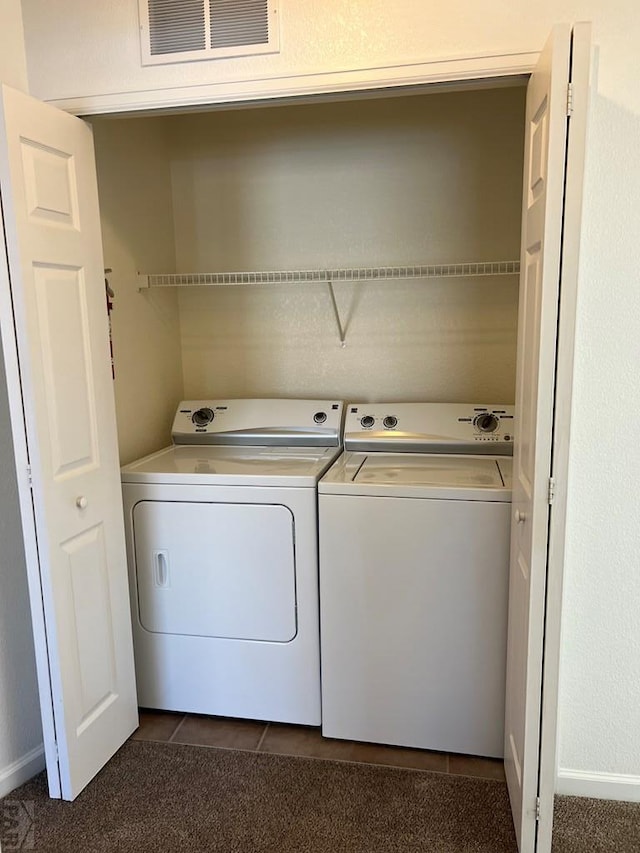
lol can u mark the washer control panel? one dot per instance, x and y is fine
(430, 427)
(307, 423)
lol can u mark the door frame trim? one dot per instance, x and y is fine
(346, 82)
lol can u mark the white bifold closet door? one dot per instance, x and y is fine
(77, 567)
(546, 131)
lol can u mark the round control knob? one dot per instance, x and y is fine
(486, 422)
(320, 417)
(81, 502)
(367, 421)
(202, 417)
(390, 422)
(520, 517)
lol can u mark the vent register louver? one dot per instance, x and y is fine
(191, 30)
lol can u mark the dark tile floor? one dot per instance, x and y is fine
(302, 741)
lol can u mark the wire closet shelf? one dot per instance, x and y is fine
(476, 269)
(328, 276)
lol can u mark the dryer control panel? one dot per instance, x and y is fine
(470, 428)
(259, 423)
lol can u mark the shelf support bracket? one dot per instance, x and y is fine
(336, 314)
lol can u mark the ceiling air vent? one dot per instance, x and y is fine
(190, 30)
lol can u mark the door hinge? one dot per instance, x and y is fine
(537, 808)
(569, 99)
(29, 476)
(551, 496)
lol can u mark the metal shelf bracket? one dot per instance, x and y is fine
(336, 313)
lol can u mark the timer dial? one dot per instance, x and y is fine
(486, 422)
(202, 417)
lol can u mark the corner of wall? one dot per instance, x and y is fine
(13, 61)
(21, 770)
(136, 207)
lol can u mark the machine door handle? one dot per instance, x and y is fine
(161, 559)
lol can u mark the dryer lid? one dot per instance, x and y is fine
(255, 466)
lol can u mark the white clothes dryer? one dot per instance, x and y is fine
(414, 568)
(221, 532)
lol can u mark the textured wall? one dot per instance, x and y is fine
(317, 36)
(137, 232)
(424, 179)
(600, 675)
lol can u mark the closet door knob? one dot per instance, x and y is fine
(81, 502)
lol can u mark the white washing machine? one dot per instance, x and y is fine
(414, 567)
(221, 532)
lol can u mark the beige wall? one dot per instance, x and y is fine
(13, 63)
(423, 179)
(137, 231)
(316, 37)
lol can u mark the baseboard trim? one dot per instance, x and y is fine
(601, 786)
(20, 771)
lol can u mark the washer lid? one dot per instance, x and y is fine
(419, 475)
(423, 470)
(232, 466)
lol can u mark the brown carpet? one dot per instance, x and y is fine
(160, 798)
(596, 826)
